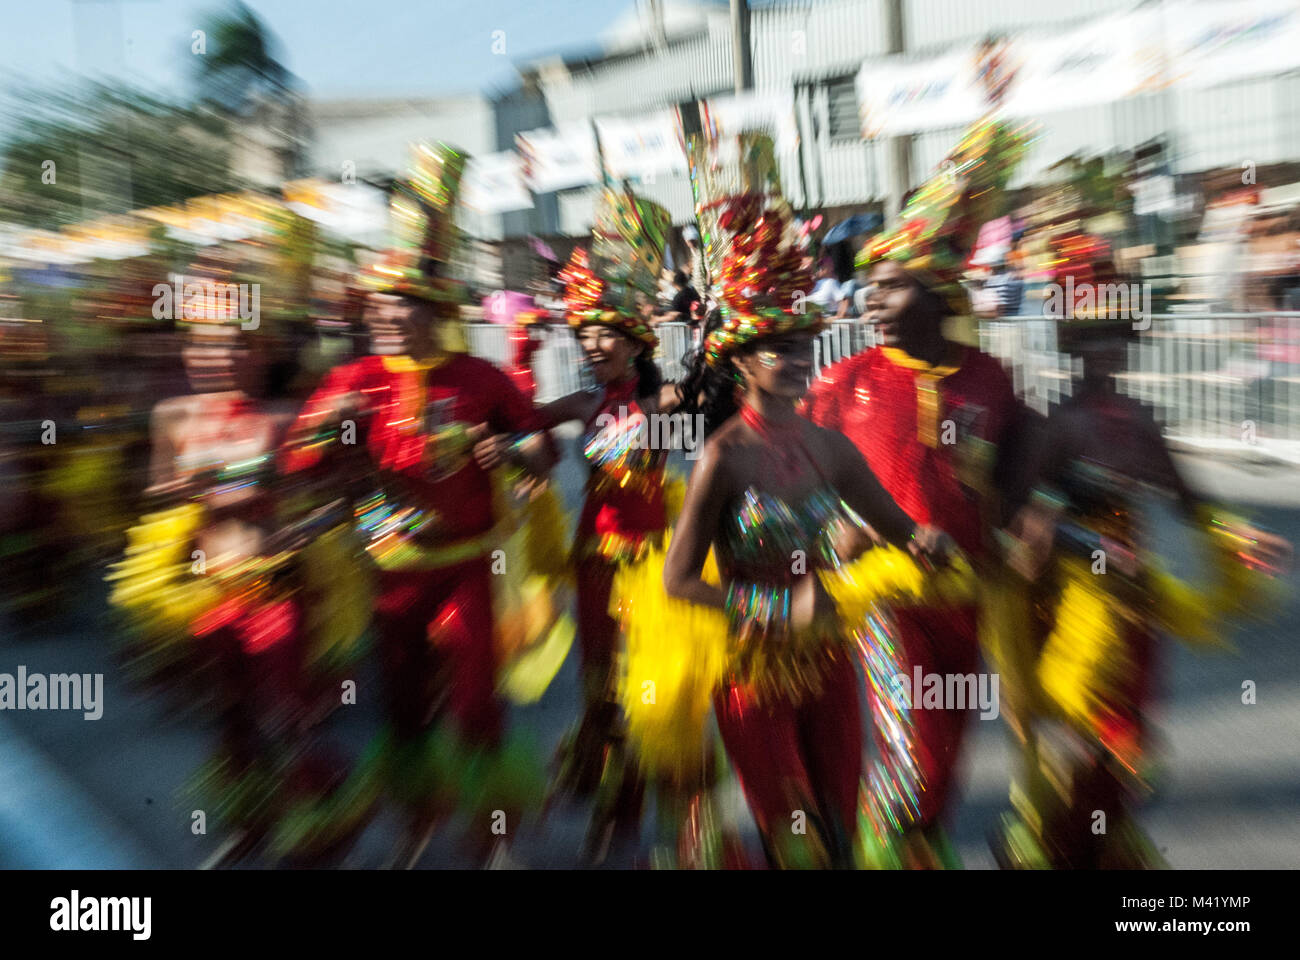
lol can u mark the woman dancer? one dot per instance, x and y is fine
(220, 607)
(768, 495)
(624, 511)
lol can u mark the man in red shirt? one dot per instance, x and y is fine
(929, 416)
(397, 435)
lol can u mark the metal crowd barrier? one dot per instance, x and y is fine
(1219, 380)
(1222, 380)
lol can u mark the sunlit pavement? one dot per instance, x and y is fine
(77, 793)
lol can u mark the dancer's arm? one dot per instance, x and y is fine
(669, 398)
(706, 494)
(317, 433)
(578, 406)
(517, 433)
(868, 498)
(1031, 529)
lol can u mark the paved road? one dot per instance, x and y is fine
(104, 794)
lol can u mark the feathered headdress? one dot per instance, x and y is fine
(422, 212)
(627, 256)
(756, 259)
(940, 222)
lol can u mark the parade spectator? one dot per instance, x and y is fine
(1007, 288)
(682, 309)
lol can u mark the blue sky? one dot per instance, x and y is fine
(338, 48)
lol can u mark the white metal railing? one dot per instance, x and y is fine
(559, 369)
(1027, 347)
(676, 341)
(1229, 380)
(558, 366)
(1224, 379)
(489, 341)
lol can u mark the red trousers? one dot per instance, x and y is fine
(597, 630)
(259, 651)
(939, 641)
(435, 635)
(806, 757)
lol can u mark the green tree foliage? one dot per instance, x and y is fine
(113, 149)
(241, 59)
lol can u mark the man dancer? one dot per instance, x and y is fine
(928, 415)
(433, 522)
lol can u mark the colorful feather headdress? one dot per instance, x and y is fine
(757, 261)
(622, 272)
(422, 212)
(940, 222)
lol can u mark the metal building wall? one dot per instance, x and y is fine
(1253, 120)
(930, 24)
(811, 42)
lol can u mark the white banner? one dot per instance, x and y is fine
(643, 147)
(1114, 58)
(724, 117)
(559, 159)
(1212, 43)
(494, 183)
(896, 96)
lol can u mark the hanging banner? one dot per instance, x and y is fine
(724, 117)
(494, 183)
(559, 159)
(1102, 62)
(355, 211)
(896, 96)
(1213, 43)
(642, 148)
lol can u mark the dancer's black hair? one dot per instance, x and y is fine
(649, 379)
(706, 389)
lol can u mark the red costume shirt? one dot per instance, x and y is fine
(875, 402)
(414, 420)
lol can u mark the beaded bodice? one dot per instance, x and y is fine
(624, 505)
(762, 534)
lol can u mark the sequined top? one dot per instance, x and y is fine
(762, 533)
(766, 545)
(227, 443)
(624, 509)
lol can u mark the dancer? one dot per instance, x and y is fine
(624, 512)
(1085, 655)
(221, 612)
(766, 496)
(409, 423)
(931, 417)
(527, 335)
